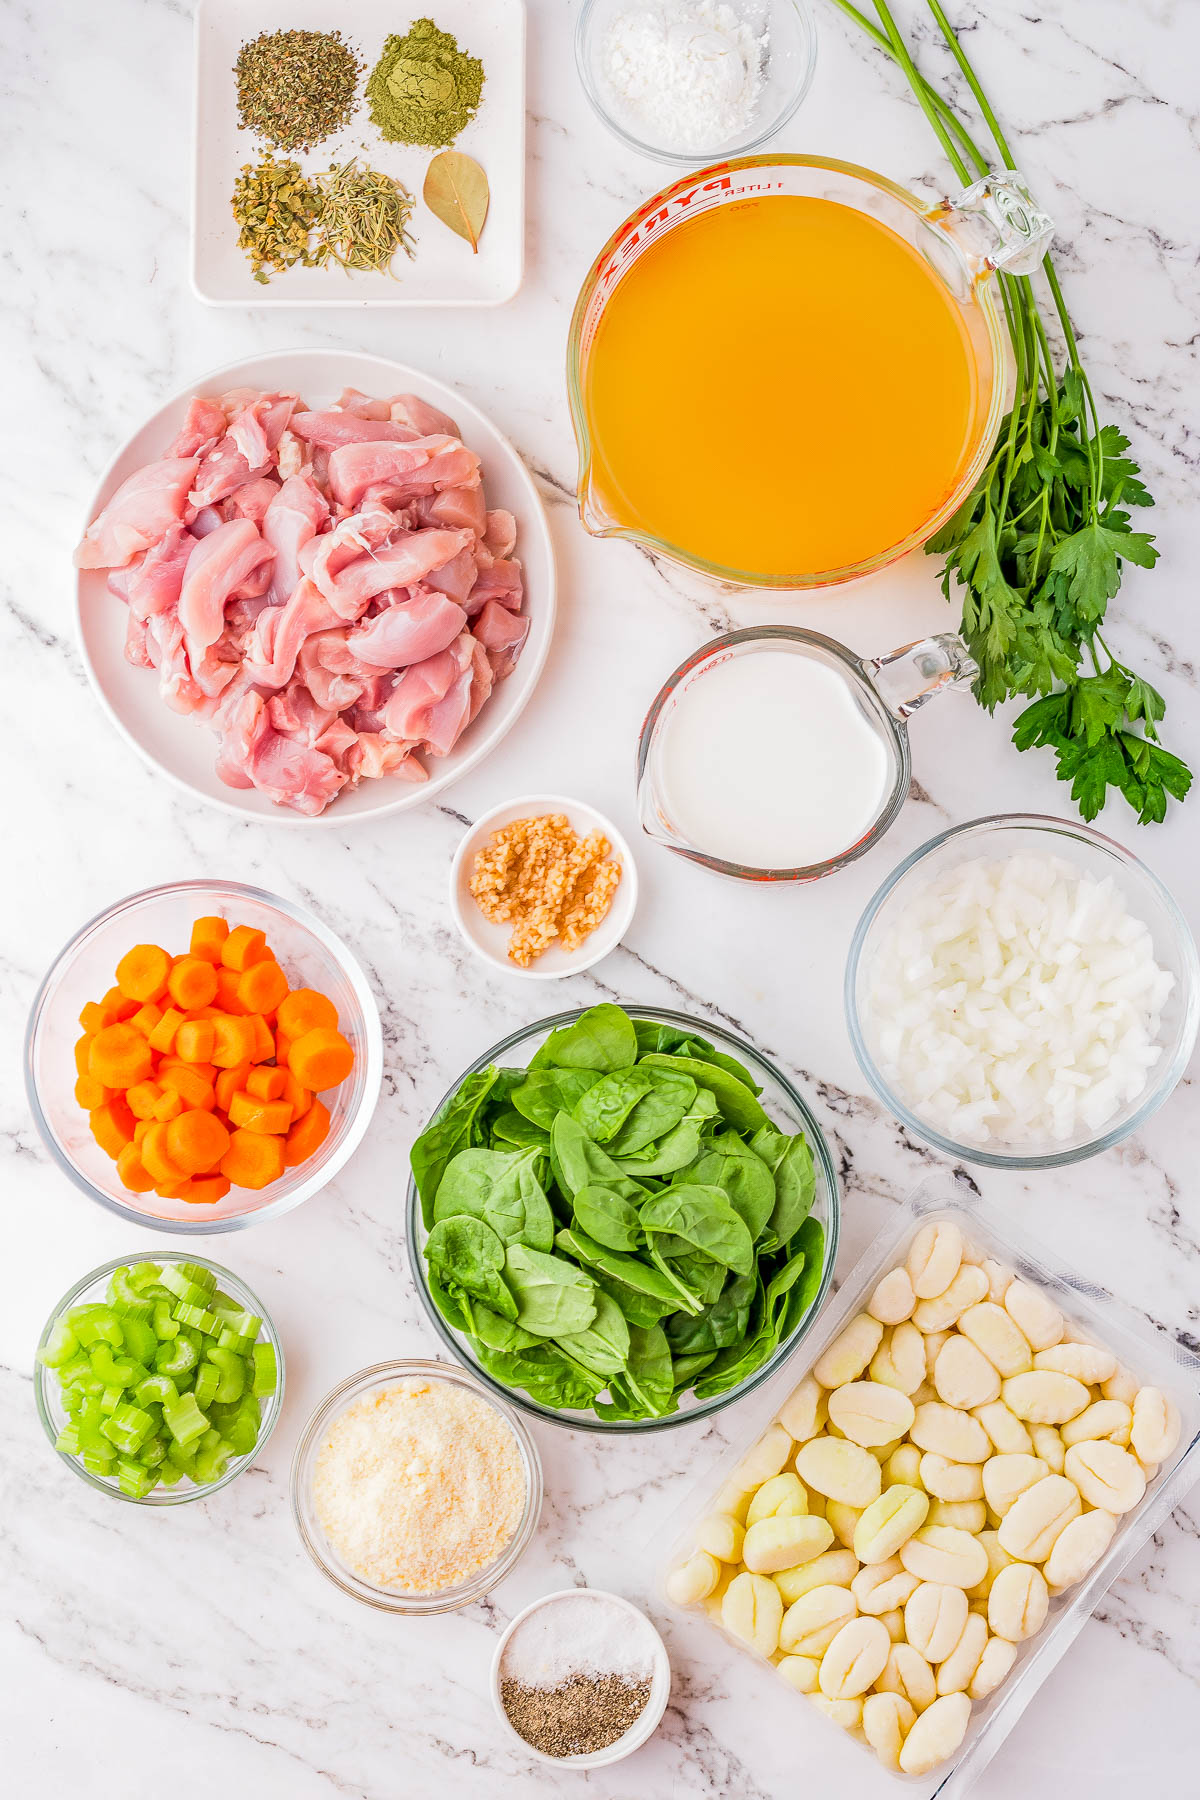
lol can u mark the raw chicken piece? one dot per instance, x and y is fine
(455, 508)
(217, 565)
(420, 467)
(329, 671)
(403, 563)
(408, 409)
(279, 632)
(502, 634)
(294, 712)
(456, 578)
(145, 505)
(502, 582)
(168, 652)
(407, 632)
(483, 679)
(432, 701)
(296, 514)
(153, 583)
(500, 533)
(362, 406)
(329, 430)
(245, 452)
(323, 558)
(203, 424)
(137, 651)
(378, 753)
(253, 499)
(206, 520)
(254, 754)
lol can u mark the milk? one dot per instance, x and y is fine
(768, 760)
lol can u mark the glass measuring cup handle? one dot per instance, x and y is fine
(995, 224)
(907, 677)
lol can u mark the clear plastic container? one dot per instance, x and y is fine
(311, 956)
(1096, 1316)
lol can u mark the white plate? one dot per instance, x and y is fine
(491, 941)
(185, 749)
(444, 271)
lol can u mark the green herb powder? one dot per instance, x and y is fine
(424, 89)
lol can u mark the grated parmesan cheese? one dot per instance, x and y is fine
(419, 1485)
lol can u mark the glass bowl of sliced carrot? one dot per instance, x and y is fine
(203, 1055)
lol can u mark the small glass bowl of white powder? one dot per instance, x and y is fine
(687, 80)
(413, 1489)
(580, 1678)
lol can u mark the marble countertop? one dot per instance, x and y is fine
(197, 1647)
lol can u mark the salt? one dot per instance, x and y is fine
(581, 1635)
(687, 73)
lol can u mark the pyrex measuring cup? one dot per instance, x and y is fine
(885, 690)
(992, 225)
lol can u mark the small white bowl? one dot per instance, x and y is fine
(491, 941)
(643, 1727)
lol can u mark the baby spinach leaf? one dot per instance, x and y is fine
(545, 1375)
(580, 1163)
(653, 1037)
(639, 1308)
(721, 1324)
(608, 1217)
(500, 1187)
(703, 1217)
(469, 1256)
(791, 1164)
(810, 1243)
(500, 1334)
(545, 1092)
(606, 1105)
(601, 1038)
(684, 1369)
(648, 1381)
(736, 1101)
(450, 1131)
(553, 1297)
(630, 1271)
(602, 1346)
(665, 1100)
(742, 1177)
(666, 1157)
(700, 1274)
(508, 1126)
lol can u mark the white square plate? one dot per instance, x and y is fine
(443, 271)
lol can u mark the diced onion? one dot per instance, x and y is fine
(1016, 1001)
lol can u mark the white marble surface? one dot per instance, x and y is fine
(197, 1650)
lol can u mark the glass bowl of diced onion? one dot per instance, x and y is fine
(311, 956)
(132, 1288)
(961, 1086)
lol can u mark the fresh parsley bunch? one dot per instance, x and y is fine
(1039, 544)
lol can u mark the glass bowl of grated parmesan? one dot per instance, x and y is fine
(1022, 992)
(413, 1489)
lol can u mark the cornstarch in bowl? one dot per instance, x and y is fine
(581, 1677)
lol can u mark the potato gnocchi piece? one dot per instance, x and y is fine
(1102, 1419)
(855, 1659)
(722, 1536)
(892, 1299)
(850, 1352)
(783, 1496)
(907, 1673)
(999, 1655)
(899, 1361)
(1044, 1397)
(1084, 1361)
(996, 1333)
(1018, 1602)
(753, 1611)
(693, 1580)
(1009, 1435)
(1035, 1314)
(947, 1480)
(944, 1309)
(962, 1374)
(934, 1259)
(803, 1415)
(934, 1617)
(956, 1673)
(886, 1721)
(832, 1568)
(870, 1413)
(1106, 1476)
(1032, 1523)
(841, 1471)
(936, 1735)
(811, 1623)
(945, 1554)
(1078, 1547)
(1156, 1425)
(889, 1522)
(780, 1543)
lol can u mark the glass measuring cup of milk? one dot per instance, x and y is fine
(777, 754)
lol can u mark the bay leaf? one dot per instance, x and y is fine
(456, 191)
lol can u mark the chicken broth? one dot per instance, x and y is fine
(780, 386)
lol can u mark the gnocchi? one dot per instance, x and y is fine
(954, 1461)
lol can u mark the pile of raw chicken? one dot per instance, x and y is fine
(327, 589)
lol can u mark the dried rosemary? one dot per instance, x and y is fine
(363, 219)
(296, 88)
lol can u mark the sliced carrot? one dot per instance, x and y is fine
(321, 1059)
(227, 991)
(244, 947)
(194, 1041)
(155, 1156)
(117, 1006)
(146, 1018)
(112, 1126)
(262, 986)
(297, 1097)
(234, 1041)
(206, 1190)
(119, 1056)
(173, 1190)
(132, 1170)
(162, 1038)
(82, 1047)
(306, 1135)
(90, 1093)
(253, 1160)
(251, 1114)
(192, 982)
(196, 1142)
(264, 1039)
(142, 1098)
(304, 1009)
(192, 1085)
(229, 1082)
(140, 1129)
(208, 935)
(92, 1018)
(266, 1084)
(169, 1105)
(142, 973)
(283, 1048)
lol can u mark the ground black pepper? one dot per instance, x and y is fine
(580, 1715)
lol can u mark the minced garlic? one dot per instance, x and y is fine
(419, 1485)
(547, 882)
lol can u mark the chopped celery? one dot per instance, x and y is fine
(208, 1380)
(198, 1317)
(133, 1479)
(184, 1419)
(158, 1388)
(266, 1373)
(232, 1340)
(231, 1370)
(169, 1473)
(94, 1324)
(164, 1325)
(183, 1280)
(61, 1345)
(140, 1339)
(124, 1370)
(243, 1324)
(111, 1398)
(68, 1440)
(177, 1358)
(128, 1427)
(125, 1299)
(95, 1463)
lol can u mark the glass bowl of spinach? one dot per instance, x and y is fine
(622, 1219)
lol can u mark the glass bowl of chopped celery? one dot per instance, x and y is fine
(1022, 992)
(158, 1381)
(622, 1219)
